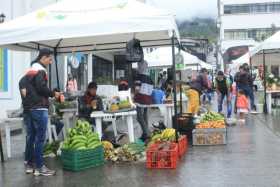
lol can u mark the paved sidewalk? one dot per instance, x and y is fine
(249, 159)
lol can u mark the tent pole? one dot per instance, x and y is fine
(175, 123)
(251, 69)
(56, 68)
(50, 76)
(181, 95)
(264, 81)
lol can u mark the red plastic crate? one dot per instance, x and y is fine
(158, 158)
(182, 145)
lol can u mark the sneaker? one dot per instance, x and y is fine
(253, 112)
(28, 169)
(44, 171)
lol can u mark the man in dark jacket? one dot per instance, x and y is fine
(244, 81)
(90, 102)
(35, 94)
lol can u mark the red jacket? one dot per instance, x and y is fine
(242, 102)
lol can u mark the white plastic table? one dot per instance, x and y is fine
(9, 124)
(99, 115)
(269, 99)
(165, 108)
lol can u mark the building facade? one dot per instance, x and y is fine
(245, 22)
(249, 19)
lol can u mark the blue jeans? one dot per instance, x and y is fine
(28, 153)
(36, 134)
(221, 98)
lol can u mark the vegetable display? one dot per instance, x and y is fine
(211, 120)
(211, 116)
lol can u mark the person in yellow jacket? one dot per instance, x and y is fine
(196, 88)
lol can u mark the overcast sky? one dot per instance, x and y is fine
(186, 9)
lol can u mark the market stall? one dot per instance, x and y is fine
(267, 53)
(87, 26)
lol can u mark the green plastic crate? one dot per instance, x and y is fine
(77, 160)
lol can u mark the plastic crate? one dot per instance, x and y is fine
(215, 136)
(182, 145)
(158, 158)
(77, 160)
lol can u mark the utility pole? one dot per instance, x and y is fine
(220, 63)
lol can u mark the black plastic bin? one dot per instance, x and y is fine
(185, 126)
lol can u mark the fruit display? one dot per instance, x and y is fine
(126, 153)
(211, 116)
(117, 104)
(165, 135)
(206, 137)
(211, 124)
(124, 104)
(81, 137)
(114, 107)
(211, 120)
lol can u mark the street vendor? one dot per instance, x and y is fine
(89, 103)
(197, 86)
(143, 88)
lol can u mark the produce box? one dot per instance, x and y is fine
(182, 145)
(214, 136)
(77, 160)
(162, 156)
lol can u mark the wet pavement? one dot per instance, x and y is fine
(249, 159)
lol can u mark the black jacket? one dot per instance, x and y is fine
(199, 84)
(84, 105)
(35, 84)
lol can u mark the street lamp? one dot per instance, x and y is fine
(2, 17)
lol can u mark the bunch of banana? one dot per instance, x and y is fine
(107, 145)
(168, 134)
(81, 137)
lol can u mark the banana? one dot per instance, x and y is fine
(79, 137)
(78, 145)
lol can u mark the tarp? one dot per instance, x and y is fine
(88, 25)
(162, 58)
(270, 44)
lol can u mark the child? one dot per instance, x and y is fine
(242, 106)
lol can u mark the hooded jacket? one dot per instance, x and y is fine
(34, 88)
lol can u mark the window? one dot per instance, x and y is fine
(102, 70)
(252, 8)
(235, 34)
(256, 34)
(3, 71)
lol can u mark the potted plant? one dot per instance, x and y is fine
(270, 80)
(274, 84)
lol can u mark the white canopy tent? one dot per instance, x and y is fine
(89, 25)
(162, 58)
(234, 67)
(83, 25)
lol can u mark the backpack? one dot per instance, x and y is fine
(134, 51)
